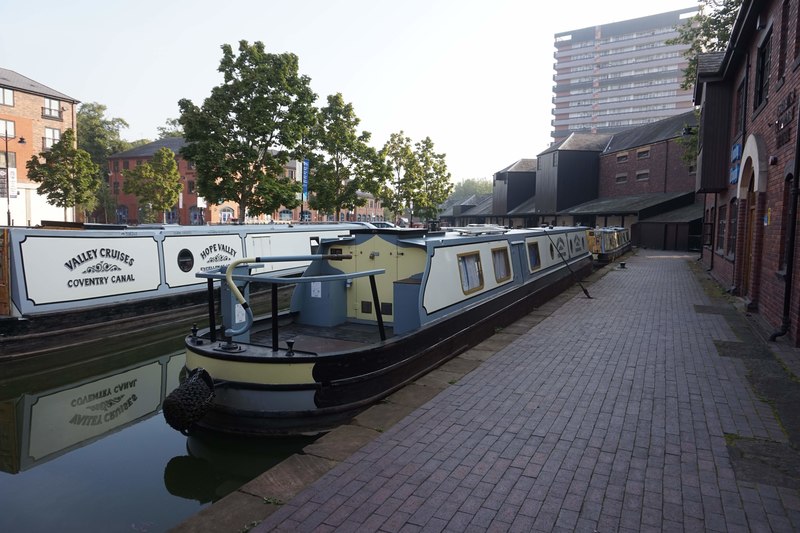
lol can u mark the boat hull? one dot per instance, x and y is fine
(270, 394)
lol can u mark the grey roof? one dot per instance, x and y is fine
(484, 207)
(12, 80)
(683, 214)
(668, 128)
(523, 165)
(710, 63)
(582, 142)
(622, 204)
(525, 208)
(149, 150)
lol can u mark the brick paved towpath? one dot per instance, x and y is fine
(616, 413)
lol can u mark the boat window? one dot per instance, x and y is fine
(185, 260)
(469, 266)
(501, 263)
(534, 261)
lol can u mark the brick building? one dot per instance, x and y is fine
(32, 119)
(748, 163)
(193, 210)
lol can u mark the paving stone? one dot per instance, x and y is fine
(609, 414)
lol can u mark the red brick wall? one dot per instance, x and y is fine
(665, 167)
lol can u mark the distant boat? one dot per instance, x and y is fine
(607, 244)
(373, 311)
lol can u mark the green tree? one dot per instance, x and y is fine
(435, 178)
(397, 193)
(469, 187)
(171, 128)
(100, 137)
(347, 165)
(708, 31)
(248, 128)
(66, 174)
(156, 184)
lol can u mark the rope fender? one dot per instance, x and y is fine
(189, 403)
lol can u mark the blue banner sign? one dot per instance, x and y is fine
(305, 177)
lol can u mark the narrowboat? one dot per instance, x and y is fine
(62, 286)
(373, 311)
(607, 244)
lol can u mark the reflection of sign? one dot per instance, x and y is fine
(66, 418)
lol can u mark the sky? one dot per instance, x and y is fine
(476, 76)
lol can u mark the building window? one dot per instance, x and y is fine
(51, 137)
(622, 158)
(172, 216)
(190, 185)
(555, 159)
(762, 72)
(642, 175)
(7, 97)
(12, 162)
(51, 108)
(195, 216)
(469, 267)
(116, 187)
(723, 214)
(741, 98)
(643, 154)
(115, 165)
(7, 129)
(784, 39)
(122, 214)
(226, 215)
(501, 264)
(732, 227)
(285, 214)
(125, 165)
(621, 178)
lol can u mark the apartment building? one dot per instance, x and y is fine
(616, 76)
(32, 119)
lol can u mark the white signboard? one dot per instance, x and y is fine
(186, 255)
(12, 184)
(66, 418)
(63, 269)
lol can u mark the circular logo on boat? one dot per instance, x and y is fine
(185, 260)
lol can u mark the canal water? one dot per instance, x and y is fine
(84, 446)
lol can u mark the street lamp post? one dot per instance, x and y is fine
(7, 169)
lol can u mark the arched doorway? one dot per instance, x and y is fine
(748, 241)
(751, 188)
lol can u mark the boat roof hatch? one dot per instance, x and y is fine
(481, 229)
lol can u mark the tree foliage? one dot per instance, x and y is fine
(397, 193)
(435, 179)
(248, 128)
(66, 174)
(708, 31)
(156, 184)
(347, 165)
(171, 128)
(98, 135)
(469, 187)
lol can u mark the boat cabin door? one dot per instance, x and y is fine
(373, 254)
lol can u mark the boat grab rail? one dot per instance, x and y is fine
(231, 332)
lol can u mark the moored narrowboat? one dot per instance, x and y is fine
(608, 244)
(373, 311)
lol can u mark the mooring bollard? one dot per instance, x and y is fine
(622, 264)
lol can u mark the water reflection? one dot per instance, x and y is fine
(83, 445)
(216, 465)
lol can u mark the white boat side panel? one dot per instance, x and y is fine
(284, 243)
(64, 269)
(66, 418)
(443, 287)
(261, 373)
(186, 255)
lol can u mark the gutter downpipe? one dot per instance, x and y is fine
(790, 240)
